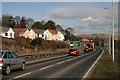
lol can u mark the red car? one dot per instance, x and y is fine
(73, 52)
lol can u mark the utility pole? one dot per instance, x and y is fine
(109, 30)
(113, 30)
(110, 34)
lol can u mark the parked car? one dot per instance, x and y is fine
(73, 52)
(9, 60)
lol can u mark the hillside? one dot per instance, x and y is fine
(24, 46)
(96, 35)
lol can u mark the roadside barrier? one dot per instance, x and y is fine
(42, 55)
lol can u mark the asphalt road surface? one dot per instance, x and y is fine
(59, 67)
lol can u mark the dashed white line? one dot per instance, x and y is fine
(69, 59)
(61, 62)
(22, 75)
(46, 67)
(80, 56)
(51, 66)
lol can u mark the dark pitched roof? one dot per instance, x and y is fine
(37, 31)
(4, 29)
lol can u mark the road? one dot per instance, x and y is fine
(59, 67)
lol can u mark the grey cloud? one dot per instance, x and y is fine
(79, 12)
(90, 30)
(81, 27)
(100, 15)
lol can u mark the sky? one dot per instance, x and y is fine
(84, 17)
(59, 0)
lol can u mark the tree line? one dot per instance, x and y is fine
(23, 22)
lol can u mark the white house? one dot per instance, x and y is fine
(37, 33)
(43, 34)
(33, 34)
(53, 35)
(46, 34)
(62, 36)
(7, 32)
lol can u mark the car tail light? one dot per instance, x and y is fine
(75, 51)
(1, 61)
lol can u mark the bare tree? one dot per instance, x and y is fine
(17, 19)
(71, 30)
(59, 27)
(23, 22)
(29, 22)
(43, 22)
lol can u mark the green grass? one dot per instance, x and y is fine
(107, 68)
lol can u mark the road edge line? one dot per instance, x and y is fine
(90, 69)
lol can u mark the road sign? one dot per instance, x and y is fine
(74, 44)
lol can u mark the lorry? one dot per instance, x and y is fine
(90, 47)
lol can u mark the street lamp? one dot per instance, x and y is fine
(109, 30)
(113, 29)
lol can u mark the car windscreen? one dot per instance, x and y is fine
(72, 49)
(1, 53)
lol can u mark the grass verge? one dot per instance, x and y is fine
(106, 68)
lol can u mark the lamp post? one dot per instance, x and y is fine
(113, 29)
(109, 30)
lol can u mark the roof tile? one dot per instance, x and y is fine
(53, 31)
(19, 30)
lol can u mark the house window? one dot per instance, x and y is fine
(45, 37)
(6, 34)
(42, 35)
(10, 34)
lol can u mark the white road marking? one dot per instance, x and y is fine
(87, 73)
(61, 62)
(46, 67)
(22, 75)
(80, 56)
(69, 59)
(50, 66)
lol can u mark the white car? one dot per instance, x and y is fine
(9, 60)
